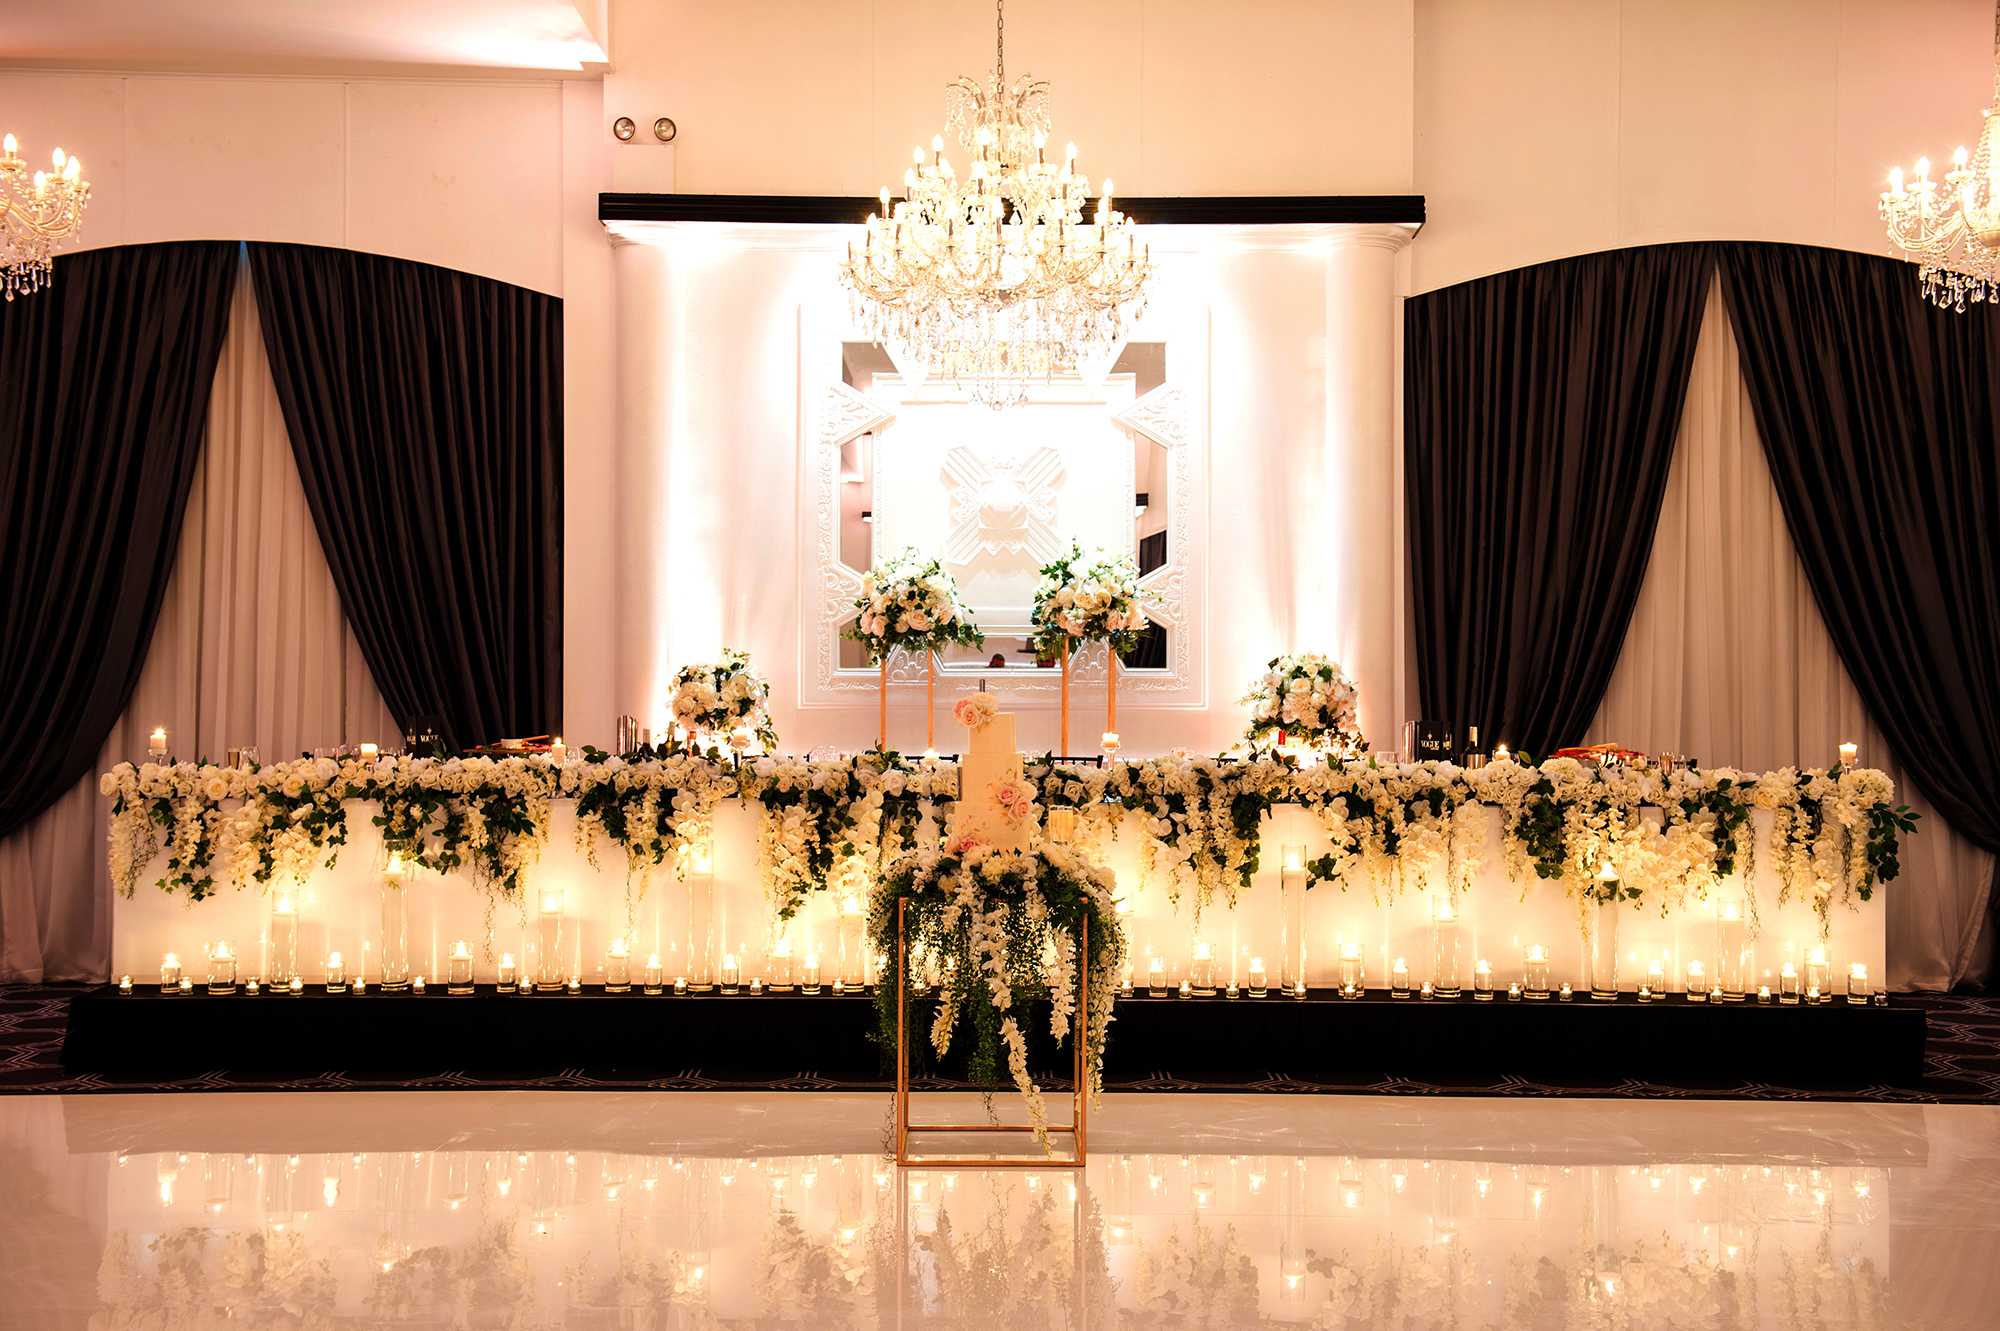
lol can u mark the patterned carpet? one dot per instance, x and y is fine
(1961, 1066)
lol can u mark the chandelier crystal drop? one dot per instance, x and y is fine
(38, 213)
(994, 279)
(1952, 233)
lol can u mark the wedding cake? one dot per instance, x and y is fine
(996, 805)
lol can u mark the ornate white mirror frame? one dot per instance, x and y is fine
(1172, 415)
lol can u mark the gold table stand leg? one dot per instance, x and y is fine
(1079, 1092)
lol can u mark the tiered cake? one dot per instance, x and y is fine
(995, 804)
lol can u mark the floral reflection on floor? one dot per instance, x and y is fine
(1675, 1219)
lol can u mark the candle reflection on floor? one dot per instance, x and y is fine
(1467, 1223)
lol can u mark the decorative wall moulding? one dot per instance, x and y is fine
(1166, 210)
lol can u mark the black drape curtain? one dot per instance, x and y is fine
(105, 377)
(1540, 409)
(425, 410)
(1880, 416)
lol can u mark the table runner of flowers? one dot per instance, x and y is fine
(833, 824)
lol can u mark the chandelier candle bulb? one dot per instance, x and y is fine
(655, 978)
(1535, 971)
(336, 973)
(1482, 981)
(170, 973)
(222, 970)
(618, 967)
(1201, 970)
(1788, 983)
(1260, 981)
(1857, 983)
(1399, 978)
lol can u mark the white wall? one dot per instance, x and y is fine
(1169, 96)
(1547, 128)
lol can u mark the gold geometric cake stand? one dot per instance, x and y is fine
(1079, 1095)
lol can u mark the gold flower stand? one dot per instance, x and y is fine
(1080, 1080)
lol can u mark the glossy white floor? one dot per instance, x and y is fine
(530, 1210)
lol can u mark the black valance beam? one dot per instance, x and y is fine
(1165, 210)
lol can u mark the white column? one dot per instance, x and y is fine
(637, 590)
(1360, 537)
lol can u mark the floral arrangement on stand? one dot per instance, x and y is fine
(910, 603)
(1835, 834)
(1001, 928)
(724, 701)
(1085, 598)
(1305, 698)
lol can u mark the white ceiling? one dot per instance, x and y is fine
(307, 36)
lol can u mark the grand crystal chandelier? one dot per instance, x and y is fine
(37, 214)
(1953, 234)
(993, 279)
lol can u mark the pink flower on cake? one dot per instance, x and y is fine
(975, 710)
(1014, 799)
(964, 846)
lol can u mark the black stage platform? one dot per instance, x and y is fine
(1220, 1040)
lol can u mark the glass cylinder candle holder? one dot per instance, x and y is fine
(1694, 982)
(221, 969)
(655, 978)
(284, 936)
(1260, 980)
(1399, 978)
(1445, 981)
(732, 976)
(336, 973)
(1201, 970)
(1351, 973)
(1156, 978)
(680, 984)
(124, 986)
(1565, 993)
(1733, 956)
(781, 966)
(187, 986)
(509, 973)
(1656, 981)
(252, 987)
(1482, 981)
(848, 960)
(1513, 991)
(458, 970)
(1788, 983)
(296, 987)
(618, 967)
(703, 941)
(1763, 993)
(550, 972)
(809, 975)
(1292, 918)
(1601, 923)
(395, 941)
(1818, 975)
(1857, 983)
(1535, 972)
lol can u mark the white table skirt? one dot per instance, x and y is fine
(340, 910)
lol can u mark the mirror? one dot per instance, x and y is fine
(998, 494)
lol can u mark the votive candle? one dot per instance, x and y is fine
(509, 972)
(222, 970)
(170, 973)
(680, 984)
(1350, 967)
(575, 985)
(756, 985)
(458, 969)
(125, 985)
(1535, 971)
(370, 752)
(336, 973)
(1513, 991)
(809, 974)
(618, 967)
(655, 974)
(1816, 971)
(156, 743)
(1156, 977)
(1399, 978)
(1201, 970)
(1565, 993)
(1849, 751)
(1857, 982)
(1788, 983)
(1260, 979)
(732, 975)
(1482, 980)
(297, 986)
(1696, 982)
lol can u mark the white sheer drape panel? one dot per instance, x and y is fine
(251, 648)
(1727, 659)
